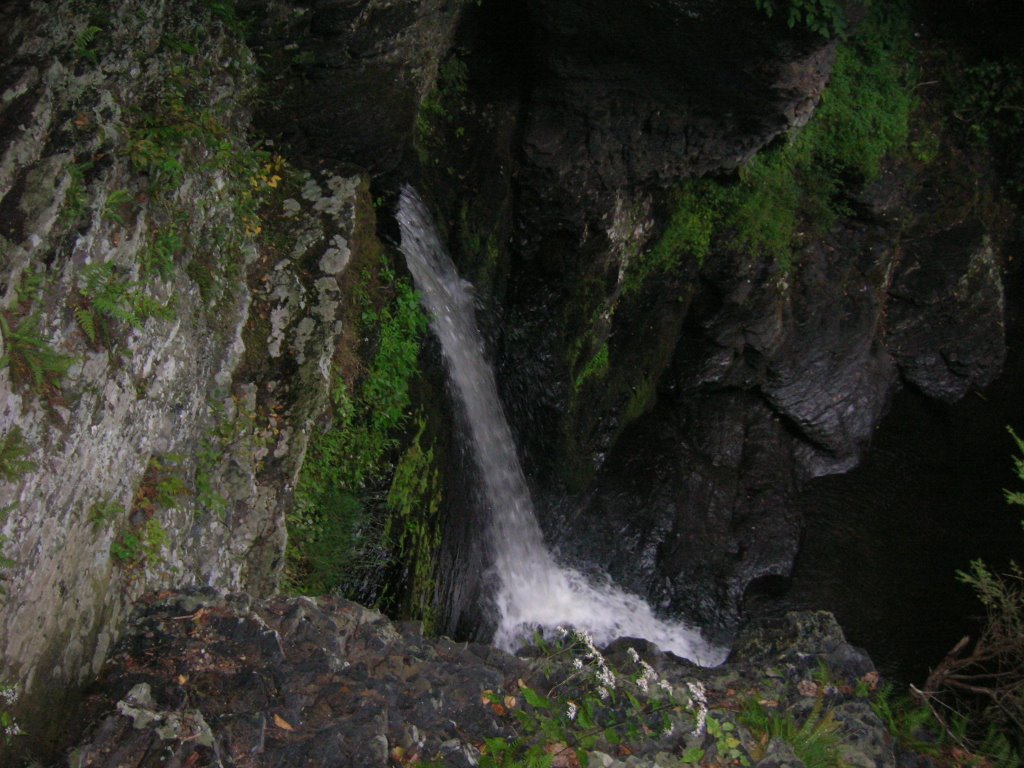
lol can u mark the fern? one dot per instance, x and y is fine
(87, 322)
(110, 296)
(83, 44)
(815, 742)
(31, 360)
(13, 451)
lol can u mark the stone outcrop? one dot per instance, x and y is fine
(348, 77)
(208, 679)
(168, 451)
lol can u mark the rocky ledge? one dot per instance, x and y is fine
(204, 678)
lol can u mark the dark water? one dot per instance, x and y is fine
(884, 541)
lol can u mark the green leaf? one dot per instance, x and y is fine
(693, 755)
(535, 699)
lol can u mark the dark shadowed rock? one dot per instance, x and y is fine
(206, 679)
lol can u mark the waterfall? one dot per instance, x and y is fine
(533, 591)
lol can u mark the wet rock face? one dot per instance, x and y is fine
(208, 679)
(779, 378)
(348, 76)
(633, 94)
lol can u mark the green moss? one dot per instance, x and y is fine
(357, 451)
(596, 368)
(800, 187)
(441, 109)
(413, 532)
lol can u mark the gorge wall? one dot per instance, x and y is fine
(179, 300)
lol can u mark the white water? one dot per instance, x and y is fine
(533, 590)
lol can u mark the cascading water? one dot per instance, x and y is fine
(533, 591)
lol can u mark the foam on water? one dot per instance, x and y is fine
(533, 591)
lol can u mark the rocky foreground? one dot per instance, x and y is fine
(203, 678)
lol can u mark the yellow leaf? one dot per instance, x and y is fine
(182, 679)
(283, 724)
(510, 702)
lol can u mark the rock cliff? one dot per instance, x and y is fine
(162, 371)
(207, 679)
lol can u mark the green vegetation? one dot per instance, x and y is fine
(33, 363)
(825, 17)
(970, 711)
(412, 531)
(442, 108)
(9, 727)
(594, 707)
(596, 368)
(331, 535)
(84, 44)
(141, 547)
(815, 741)
(187, 124)
(798, 189)
(13, 450)
(162, 487)
(107, 296)
(989, 103)
(103, 514)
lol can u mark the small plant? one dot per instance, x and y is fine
(824, 17)
(33, 363)
(975, 695)
(596, 368)
(141, 547)
(815, 741)
(118, 205)
(162, 485)
(84, 41)
(158, 257)
(103, 514)
(592, 708)
(107, 296)
(727, 746)
(75, 195)
(8, 725)
(13, 450)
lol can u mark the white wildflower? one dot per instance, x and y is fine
(603, 693)
(570, 710)
(699, 699)
(666, 686)
(8, 693)
(641, 683)
(631, 652)
(605, 677)
(577, 663)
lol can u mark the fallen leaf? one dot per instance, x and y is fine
(283, 724)
(871, 678)
(182, 679)
(499, 710)
(562, 756)
(486, 697)
(510, 702)
(807, 688)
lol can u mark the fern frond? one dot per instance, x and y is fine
(87, 322)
